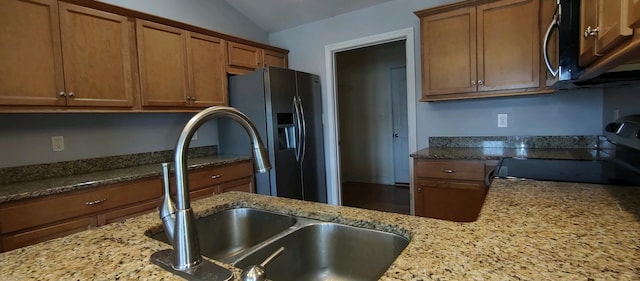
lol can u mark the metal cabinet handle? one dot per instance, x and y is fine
(591, 31)
(448, 171)
(216, 176)
(480, 82)
(96, 202)
(71, 94)
(62, 94)
(473, 82)
(419, 189)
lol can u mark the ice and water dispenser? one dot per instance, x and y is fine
(286, 131)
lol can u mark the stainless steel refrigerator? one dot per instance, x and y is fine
(286, 107)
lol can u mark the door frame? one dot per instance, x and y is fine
(334, 190)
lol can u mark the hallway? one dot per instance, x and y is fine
(381, 197)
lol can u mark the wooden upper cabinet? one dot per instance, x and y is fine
(207, 72)
(162, 55)
(241, 56)
(50, 50)
(97, 48)
(508, 45)
(605, 26)
(634, 13)
(30, 53)
(449, 52)
(271, 58)
(244, 58)
(475, 51)
(179, 68)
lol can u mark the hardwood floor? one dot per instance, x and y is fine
(372, 196)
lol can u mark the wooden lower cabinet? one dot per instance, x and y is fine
(220, 179)
(450, 189)
(30, 221)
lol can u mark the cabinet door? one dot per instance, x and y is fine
(588, 21)
(208, 76)
(162, 57)
(449, 200)
(97, 49)
(30, 237)
(449, 53)
(276, 59)
(612, 24)
(508, 45)
(30, 53)
(243, 58)
(244, 185)
(634, 13)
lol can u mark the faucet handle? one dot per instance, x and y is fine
(167, 208)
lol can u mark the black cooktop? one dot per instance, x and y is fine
(584, 171)
(622, 169)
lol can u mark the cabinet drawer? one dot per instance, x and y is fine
(36, 212)
(244, 185)
(17, 240)
(450, 169)
(124, 213)
(199, 179)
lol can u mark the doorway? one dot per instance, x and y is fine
(334, 176)
(369, 113)
(372, 117)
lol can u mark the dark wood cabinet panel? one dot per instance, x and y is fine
(450, 189)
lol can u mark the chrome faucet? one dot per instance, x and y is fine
(178, 221)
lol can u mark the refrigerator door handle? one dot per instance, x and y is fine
(296, 123)
(303, 138)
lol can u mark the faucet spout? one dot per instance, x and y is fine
(185, 241)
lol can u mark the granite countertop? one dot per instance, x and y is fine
(527, 230)
(495, 153)
(24, 190)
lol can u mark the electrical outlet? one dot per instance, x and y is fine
(502, 120)
(57, 143)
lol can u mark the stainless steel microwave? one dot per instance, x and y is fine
(561, 52)
(563, 36)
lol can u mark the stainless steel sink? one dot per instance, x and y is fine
(329, 251)
(313, 249)
(226, 234)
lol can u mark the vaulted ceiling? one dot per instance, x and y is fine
(277, 15)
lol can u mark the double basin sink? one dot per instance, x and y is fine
(313, 249)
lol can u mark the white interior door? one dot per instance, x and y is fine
(400, 125)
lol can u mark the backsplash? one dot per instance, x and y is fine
(66, 168)
(560, 142)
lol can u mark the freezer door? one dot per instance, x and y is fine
(247, 94)
(312, 151)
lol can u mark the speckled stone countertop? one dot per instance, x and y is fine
(495, 153)
(527, 230)
(496, 147)
(30, 189)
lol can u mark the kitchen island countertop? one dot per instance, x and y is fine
(527, 230)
